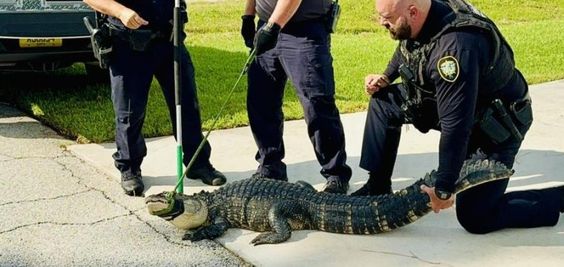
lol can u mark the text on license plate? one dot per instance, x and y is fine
(41, 42)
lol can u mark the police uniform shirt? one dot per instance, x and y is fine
(308, 9)
(453, 70)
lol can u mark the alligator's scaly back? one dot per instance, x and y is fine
(279, 207)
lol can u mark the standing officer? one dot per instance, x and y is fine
(459, 77)
(141, 42)
(293, 41)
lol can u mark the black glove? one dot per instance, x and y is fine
(248, 29)
(266, 37)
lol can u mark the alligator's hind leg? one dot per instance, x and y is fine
(278, 216)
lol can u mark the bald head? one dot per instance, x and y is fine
(403, 18)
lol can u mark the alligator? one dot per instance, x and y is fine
(276, 207)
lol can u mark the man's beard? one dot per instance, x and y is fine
(402, 32)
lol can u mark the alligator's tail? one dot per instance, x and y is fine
(473, 173)
(477, 172)
(379, 214)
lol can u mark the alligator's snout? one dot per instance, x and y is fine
(185, 212)
(157, 204)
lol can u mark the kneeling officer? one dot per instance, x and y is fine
(140, 32)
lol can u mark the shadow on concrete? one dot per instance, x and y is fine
(25, 130)
(532, 168)
(14, 124)
(8, 111)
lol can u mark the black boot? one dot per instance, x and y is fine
(274, 171)
(374, 187)
(132, 183)
(208, 174)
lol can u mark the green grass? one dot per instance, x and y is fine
(83, 111)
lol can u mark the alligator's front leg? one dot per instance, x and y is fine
(278, 216)
(212, 231)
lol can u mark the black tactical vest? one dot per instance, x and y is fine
(465, 16)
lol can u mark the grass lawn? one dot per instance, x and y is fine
(66, 101)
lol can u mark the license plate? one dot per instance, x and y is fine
(41, 42)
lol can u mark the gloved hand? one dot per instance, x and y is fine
(248, 29)
(266, 37)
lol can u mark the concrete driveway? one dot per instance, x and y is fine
(88, 220)
(58, 210)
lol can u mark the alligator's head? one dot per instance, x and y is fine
(184, 212)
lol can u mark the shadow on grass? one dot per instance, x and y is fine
(57, 99)
(80, 109)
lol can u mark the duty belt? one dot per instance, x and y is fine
(140, 39)
(126, 34)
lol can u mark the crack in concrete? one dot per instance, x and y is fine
(45, 198)
(66, 223)
(10, 158)
(186, 245)
(79, 181)
(131, 212)
(164, 236)
(412, 256)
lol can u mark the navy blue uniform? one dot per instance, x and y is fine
(131, 76)
(303, 55)
(454, 74)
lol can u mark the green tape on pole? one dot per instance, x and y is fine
(179, 171)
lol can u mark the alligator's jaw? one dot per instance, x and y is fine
(184, 212)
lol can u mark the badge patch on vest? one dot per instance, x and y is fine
(448, 68)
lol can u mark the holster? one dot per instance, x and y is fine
(499, 124)
(101, 42)
(102, 45)
(333, 17)
(522, 110)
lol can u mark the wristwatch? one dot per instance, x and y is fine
(442, 195)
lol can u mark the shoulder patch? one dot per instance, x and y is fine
(448, 68)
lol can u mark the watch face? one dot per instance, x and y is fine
(442, 195)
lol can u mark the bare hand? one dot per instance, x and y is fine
(374, 82)
(131, 19)
(436, 203)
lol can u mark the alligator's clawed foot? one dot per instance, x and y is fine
(194, 235)
(269, 238)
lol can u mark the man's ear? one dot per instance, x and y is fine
(413, 12)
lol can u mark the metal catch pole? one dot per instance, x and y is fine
(177, 30)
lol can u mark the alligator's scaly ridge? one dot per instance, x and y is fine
(277, 207)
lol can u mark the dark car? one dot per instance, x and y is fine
(44, 35)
